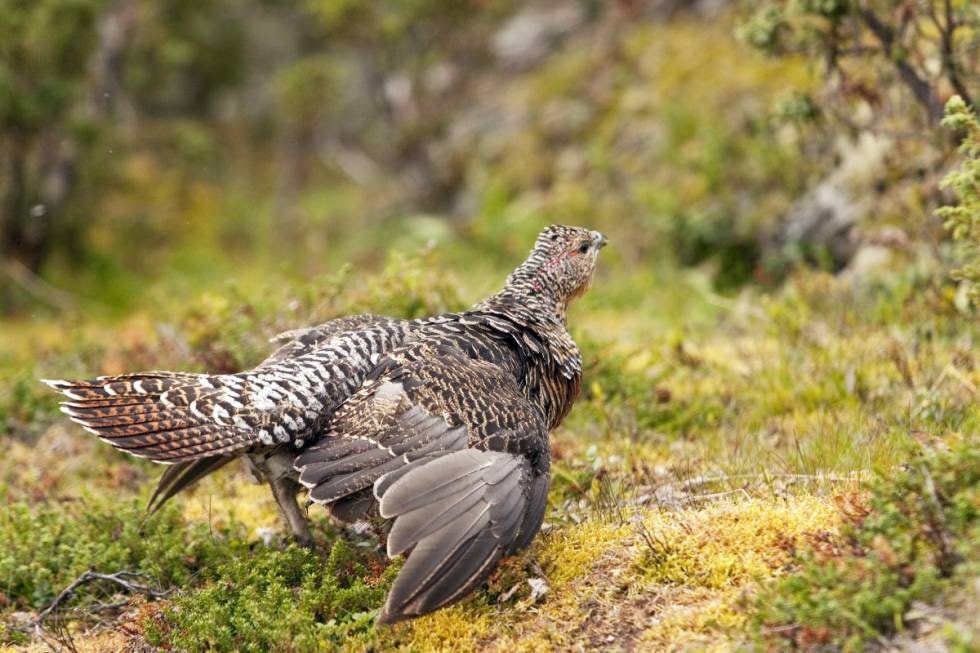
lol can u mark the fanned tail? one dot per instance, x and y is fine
(155, 415)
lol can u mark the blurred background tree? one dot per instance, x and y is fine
(181, 142)
(47, 113)
(887, 69)
(80, 81)
(879, 54)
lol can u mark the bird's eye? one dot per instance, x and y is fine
(583, 248)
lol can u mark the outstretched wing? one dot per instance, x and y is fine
(176, 417)
(456, 456)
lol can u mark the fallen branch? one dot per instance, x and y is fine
(680, 493)
(711, 496)
(124, 579)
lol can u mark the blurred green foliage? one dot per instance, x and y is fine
(963, 219)
(255, 138)
(44, 48)
(179, 55)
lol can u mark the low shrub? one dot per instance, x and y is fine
(272, 600)
(45, 547)
(915, 536)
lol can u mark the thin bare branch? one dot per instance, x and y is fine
(124, 579)
(38, 287)
(701, 481)
(920, 88)
(946, 52)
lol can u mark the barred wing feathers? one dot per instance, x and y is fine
(298, 342)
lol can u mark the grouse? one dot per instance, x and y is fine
(439, 425)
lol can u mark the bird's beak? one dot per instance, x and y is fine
(600, 240)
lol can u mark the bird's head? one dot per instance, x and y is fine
(559, 267)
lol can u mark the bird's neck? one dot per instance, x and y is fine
(528, 304)
(530, 293)
(531, 308)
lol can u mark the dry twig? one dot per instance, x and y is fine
(126, 580)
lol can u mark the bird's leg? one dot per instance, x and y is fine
(277, 470)
(284, 489)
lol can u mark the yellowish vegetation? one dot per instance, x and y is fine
(225, 498)
(713, 556)
(612, 590)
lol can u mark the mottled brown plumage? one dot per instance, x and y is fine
(439, 424)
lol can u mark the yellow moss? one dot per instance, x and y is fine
(459, 628)
(571, 552)
(565, 556)
(728, 543)
(712, 556)
(694, 620)
(606, 593)
(87, 642)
